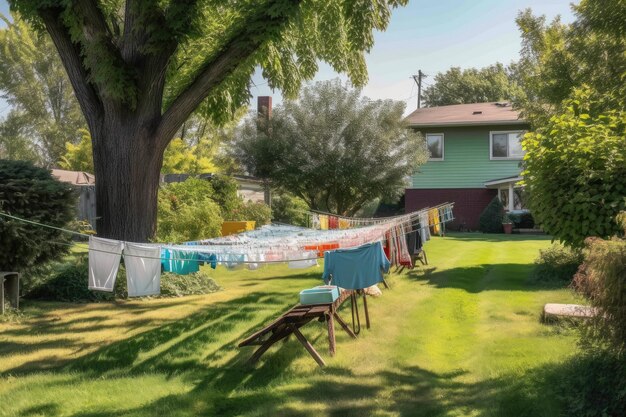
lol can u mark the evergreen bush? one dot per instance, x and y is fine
(491, 218)
(522, 220)
(32, 193)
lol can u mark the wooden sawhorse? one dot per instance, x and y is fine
(290, 323)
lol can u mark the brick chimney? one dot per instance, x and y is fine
(264, 106)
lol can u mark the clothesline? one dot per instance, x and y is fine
(311, 211)
(288, 239)
(328, 221)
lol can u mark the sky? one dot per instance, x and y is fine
(432, 36)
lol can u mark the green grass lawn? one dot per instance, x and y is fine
(459, 337)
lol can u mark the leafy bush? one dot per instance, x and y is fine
(491, 218)
(575, 169)
(32, 193)
(225, 194)
(173, 285)
(65, 281)
(289, 209)
(593, 385)
(557, 263)
(187, 211)
(68, 282)
(522, 219)
(602, 279)
(258, 212)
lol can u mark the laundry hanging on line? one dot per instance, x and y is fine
(356, 268)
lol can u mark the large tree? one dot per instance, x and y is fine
(140, 68)
(558, 58)
(45, 114)
(575, 163)
(457, 86)
(332, 148)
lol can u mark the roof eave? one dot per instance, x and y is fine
(477, 123)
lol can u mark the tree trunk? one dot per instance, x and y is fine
(127, 164)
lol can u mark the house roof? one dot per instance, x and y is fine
(74, 177)
(500, 113)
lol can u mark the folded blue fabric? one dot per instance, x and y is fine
(356, 268)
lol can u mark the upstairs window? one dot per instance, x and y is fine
(435, 146)
(506, 145)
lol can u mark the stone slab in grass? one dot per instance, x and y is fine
(553, 311)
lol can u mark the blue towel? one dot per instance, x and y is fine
(356, 268)
(209, 258)
(179, 261)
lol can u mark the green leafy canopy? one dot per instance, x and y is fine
(332, 148)
(290, 36)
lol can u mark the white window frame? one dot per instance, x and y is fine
(503, 158)
(443, 146)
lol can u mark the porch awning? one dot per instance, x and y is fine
(500, 182)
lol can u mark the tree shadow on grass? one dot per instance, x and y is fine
(234, 390)
(201, 349)
(181, 336)
(485, 277)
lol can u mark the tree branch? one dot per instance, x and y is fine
(242, 44)
(86, 94)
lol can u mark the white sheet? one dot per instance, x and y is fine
(104, 262)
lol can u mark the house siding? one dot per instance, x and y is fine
(466, 161)
(468, 203)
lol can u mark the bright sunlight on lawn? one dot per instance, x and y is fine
(461, 336)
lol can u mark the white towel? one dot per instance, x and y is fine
(253, 258)
(143, 269)
(104, 262)
(302, 260)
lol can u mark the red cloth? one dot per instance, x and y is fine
(387, 251)
(333, 222)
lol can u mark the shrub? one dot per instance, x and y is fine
(187, 211)
(557, 263)
(68, 282)
(65, 281)
(491, 218)
(290, 209)
(602, 279)
(173, 285)
(32, 193)
(593, 385)
(575, 169)
(258, 212)
(225, 194)
(522, 219)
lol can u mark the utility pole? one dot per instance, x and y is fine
(418, 80)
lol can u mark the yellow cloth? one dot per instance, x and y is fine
(323, 222)
(344, 224)
(433, 219)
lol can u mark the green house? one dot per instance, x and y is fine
(475, 155)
